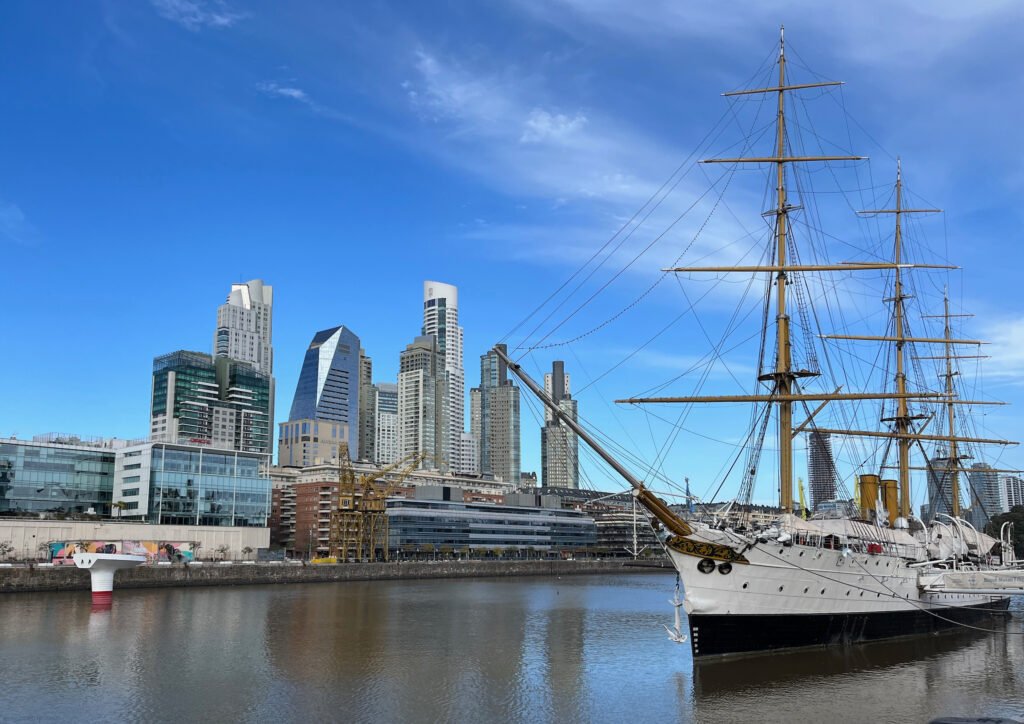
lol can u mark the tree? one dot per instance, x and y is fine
(196, 546)
(5, 548)
(223, 549)
(119, 506)
(247, 551)
(1015, 516)
(44, 548)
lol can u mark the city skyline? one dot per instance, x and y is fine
(456, 164)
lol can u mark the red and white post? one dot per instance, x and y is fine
(101, 567)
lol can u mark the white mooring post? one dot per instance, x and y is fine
(101, 567)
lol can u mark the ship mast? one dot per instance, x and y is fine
(954, 453)
(903, 418)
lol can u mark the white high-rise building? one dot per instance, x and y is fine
(385, 407)
(245, 325)
(441, 320)
(422, 426)
(560, 463)
(1013, 491)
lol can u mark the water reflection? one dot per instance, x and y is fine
(516, 650)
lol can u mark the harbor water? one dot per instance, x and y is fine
(569, 649)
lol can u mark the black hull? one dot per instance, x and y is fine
(718, 635)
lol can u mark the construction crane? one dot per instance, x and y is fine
(359, 525)
(803, 500)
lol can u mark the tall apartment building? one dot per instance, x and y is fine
(202, 400)
(559, 446)
(441, 320)
(245, 326)
(422, 394)
(328, 386)
(986, 498)
(301, 443)
(367, 419)
(940, 488)
(821, 469)
(495, 420)
(385, 413)
(1013, 491)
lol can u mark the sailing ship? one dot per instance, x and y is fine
(874, 572)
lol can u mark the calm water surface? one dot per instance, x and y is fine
(575, 649)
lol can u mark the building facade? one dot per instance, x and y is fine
(385, 413)
(218, 401)
(1013, 491)
(434, 521)
(495, 420)
(986, 494)
(821, 469)
(940, 488)
(302, 443)
(422, 394)
(559, 446)
(245, 326)
(328, 386)
(367, 419)
(441, 320)
(167, 483)
(57, 475)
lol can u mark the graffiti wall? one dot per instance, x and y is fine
(61, 552)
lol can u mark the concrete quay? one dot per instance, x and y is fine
(66, 578)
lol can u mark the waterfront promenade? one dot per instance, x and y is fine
(67, 578)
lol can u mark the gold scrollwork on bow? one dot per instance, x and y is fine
(701, 549)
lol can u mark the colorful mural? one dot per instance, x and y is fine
(61, 552)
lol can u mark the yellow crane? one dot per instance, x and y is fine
(803, 500)
(359, 525)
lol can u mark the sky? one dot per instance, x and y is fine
(155, 152)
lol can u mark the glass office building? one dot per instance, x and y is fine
(56, 476)
(439, 523)
(191, 485)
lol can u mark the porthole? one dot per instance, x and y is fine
(780, 551)
(805, 590)
(801, 552)
(847, 593)
(706, 565)
(823, 592)
(862, 594)
(725, 568)
(744, 585)
(780, 588)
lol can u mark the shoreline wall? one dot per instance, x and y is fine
(69, 578)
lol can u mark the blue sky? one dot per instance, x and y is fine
(155, 152)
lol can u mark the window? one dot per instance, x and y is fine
(133, 466)
(131, 479)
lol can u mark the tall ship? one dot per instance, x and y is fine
(866, 567)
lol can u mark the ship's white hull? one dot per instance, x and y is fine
(788, 596)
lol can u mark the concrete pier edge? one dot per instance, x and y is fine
(69, 578)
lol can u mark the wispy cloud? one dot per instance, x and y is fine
(15, 226)
(290, 92)
(196, 15)
(1007, 350)
(506, 128)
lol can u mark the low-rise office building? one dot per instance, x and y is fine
(433, 520)
(167, 483)
(57, 475)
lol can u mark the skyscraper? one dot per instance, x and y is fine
(201, 400)
(821, 468)
(559, 447)
(985, 494)
(1013, 491)
(328, 386)
(422, 392)
(940, 488)
(245, 325)
(385, 409)
(497, 422)
(441, 320)
(367, 419)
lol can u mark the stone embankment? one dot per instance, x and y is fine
(69, 578)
